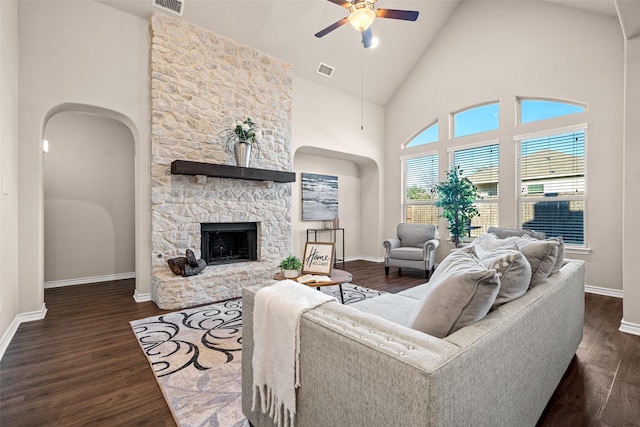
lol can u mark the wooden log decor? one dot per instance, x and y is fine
(187, 265)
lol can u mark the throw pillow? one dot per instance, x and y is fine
(487, 243)
(541, 254)
(461, 291)
(514, 272)
(558, 265)
(503, 233)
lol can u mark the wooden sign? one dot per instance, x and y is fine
(318, 258)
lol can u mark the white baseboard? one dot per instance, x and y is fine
(140, 297)
(86, 280)
(13, 327)
(604, 291)
(629, 328)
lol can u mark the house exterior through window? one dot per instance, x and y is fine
(551, 178)
(481, 166)
(420, 175)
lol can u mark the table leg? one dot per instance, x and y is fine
(341, 294)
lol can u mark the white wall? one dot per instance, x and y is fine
(8, 167)
(85, 56)
(88, 199)
(499, 50)
(349, 209)
(331, 122)
(631, 318)
(78, 56)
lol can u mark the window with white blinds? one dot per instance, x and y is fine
(551, 178)
(481, 166)
(420, 175)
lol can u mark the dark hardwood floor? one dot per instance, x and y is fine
(82, 366)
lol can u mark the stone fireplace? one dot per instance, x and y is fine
(201, 84)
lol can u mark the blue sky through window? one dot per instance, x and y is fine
(428, 135)
(475, 120)
(533, 110)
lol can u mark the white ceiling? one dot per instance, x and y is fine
(285, 29)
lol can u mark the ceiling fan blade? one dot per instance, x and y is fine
(406, 15)
(342, 3)
(332, 27)
(367, 37)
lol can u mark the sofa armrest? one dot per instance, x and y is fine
(391, 244)
(429, 247)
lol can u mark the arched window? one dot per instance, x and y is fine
(533, 110)
(430, 134)
(477, 119)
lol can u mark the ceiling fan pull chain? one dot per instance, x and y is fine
(362, 87)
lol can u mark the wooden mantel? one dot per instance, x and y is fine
(186, 167)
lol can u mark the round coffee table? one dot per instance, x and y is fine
(338, 277)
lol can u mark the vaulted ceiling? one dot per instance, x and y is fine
(285, 29)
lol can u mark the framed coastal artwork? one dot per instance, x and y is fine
(319, 197)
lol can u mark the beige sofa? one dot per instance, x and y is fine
(360, 367)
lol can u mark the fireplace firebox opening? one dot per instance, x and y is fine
(229, 242)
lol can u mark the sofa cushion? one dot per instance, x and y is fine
(415, 292)
(460, 292)
(415, 254)
(514, 272)
(393, 307)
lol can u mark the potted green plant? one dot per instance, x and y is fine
(456, 197)
(291, 266)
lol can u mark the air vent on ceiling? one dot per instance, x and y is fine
(173, 6)
(325, 70)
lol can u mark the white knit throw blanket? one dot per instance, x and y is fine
(276, 346)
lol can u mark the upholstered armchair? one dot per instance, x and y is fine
(414, 247)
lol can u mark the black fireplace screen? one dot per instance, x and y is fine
(228, 242)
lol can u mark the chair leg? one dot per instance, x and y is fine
(399, 270)
(386, 271)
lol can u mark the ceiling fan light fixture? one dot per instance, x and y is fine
(362, 17)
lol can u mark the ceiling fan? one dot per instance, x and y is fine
(361, 16)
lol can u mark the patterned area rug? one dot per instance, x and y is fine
(196, 355)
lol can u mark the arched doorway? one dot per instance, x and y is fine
(89, 197)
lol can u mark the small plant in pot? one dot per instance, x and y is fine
(291, 266)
